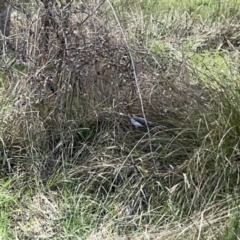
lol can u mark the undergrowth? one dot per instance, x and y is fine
(73, 166)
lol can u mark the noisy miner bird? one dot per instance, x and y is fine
(140, 122)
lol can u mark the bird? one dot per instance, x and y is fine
(139, 122)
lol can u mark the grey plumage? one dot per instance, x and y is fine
(140, 122)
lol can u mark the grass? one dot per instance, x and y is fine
(72, 165)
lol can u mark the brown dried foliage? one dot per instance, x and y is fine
(78, 72)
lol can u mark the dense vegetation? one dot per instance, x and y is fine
(72, 164)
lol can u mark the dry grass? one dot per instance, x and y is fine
(83, 171)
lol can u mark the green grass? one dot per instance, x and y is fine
(10, 199)
(73, 167)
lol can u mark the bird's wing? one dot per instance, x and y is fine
(142, 121)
